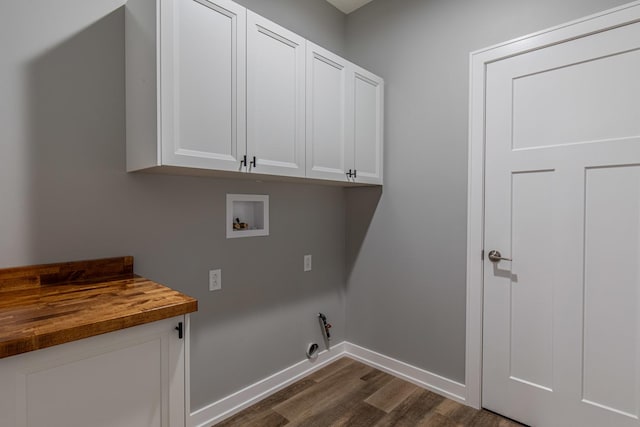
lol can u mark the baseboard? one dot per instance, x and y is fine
(425, 379)
(236, 402)
(232, 404)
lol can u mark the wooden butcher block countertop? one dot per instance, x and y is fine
(46, 305)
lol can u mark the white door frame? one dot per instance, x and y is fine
(475, 203)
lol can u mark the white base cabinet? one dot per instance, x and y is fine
(133, 377)
(212, 86)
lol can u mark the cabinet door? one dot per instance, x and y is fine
(275, 98)
(366, 131)
(328, 84)
(203, 83)
(133, 377)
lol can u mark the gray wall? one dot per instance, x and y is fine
(64, 195)
(406, 262)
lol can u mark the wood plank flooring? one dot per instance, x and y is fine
(350, 394)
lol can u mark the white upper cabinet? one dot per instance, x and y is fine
(275, 98)
(197, 61)
(365, 104)
(328, 86)
(212, 86)
(344, 119)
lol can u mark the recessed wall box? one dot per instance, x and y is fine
(247, 215)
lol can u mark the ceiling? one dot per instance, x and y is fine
(348, 6)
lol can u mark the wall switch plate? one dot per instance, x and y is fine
(215, 280)
(307, 263)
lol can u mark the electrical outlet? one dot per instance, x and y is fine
(307, 263)
(215, 280)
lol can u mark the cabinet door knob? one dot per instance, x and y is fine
(349, 174)
(253, 162)
(355, 173)
(243, 162)
(180, 331)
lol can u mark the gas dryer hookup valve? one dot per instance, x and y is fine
(325, 326)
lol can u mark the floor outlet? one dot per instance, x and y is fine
(307, 263)
(215, 280)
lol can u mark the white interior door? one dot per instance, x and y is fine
(561, 334)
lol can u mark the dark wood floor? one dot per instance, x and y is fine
(351, 394)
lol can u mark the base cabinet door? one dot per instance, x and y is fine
(133, 377)
(275, 99)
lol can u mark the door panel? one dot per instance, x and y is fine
(275, 98)
(367, 101)
(201, 114)
(611, 294)
(204, 76)
(562, 98)
(50, 393)
(327, 88)
(531, 317)
(562, 198)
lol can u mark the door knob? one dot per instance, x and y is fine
(496, 256)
